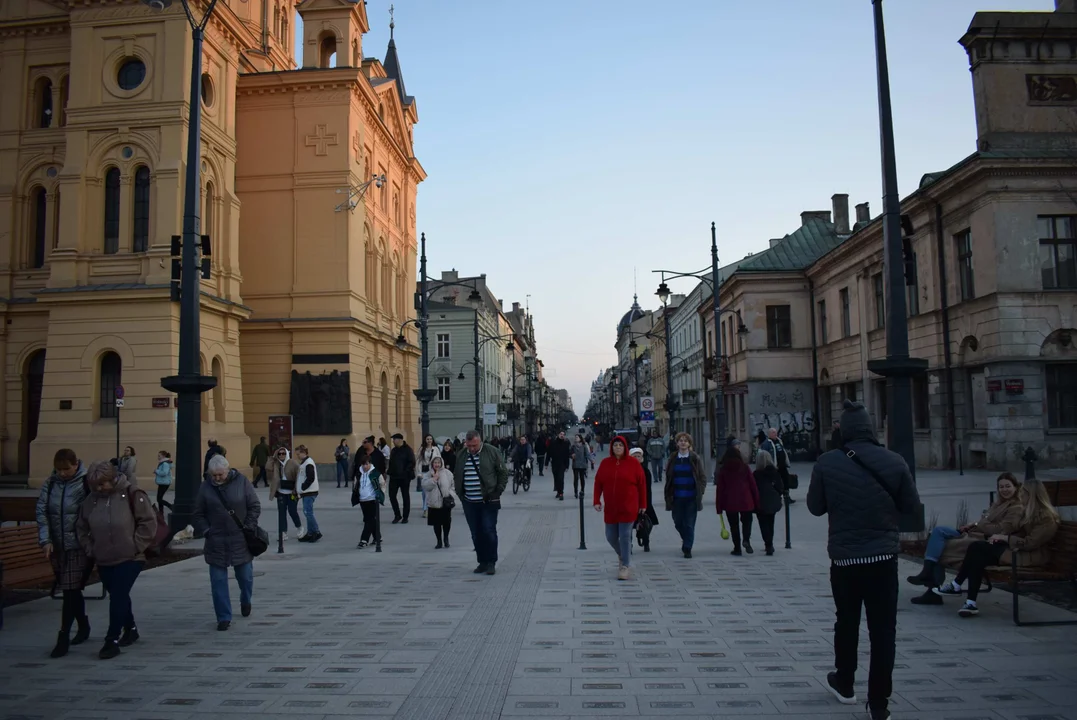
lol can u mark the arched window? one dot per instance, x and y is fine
(327, 52)
(112, 211)
(55, 221)
(38, 213)
(396, 398)
(43, 103)
(386, 285)
(110, 372)
(218, 392)
(207, 210)
(276, 20)
(369, 400)
(384, 404)
(65, 85)
(355, 53)
(142, 209)
(284, 39)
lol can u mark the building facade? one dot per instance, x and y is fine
(91, 191)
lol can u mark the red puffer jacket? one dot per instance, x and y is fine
(624, 486)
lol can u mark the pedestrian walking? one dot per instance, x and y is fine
(226, 495)
(212, 448)
(774, 446)
(162, 477)
(621, 481)
(835, 436)
(115, 526)
(448, 455)
(438, 484)
(427, 454)
(737, 496)
(342, 453)
(284, 488)
(308, 493)
(259, 459)
(656, 453)
(582, 457)
(644, 529)
(560, 453)
(480, 478)
(863, 491)
(686, 481)
(368, 448)
(401, 475)
(368, 492)
(768, 483)
(541, 445)
(128, 465)
(57, 511)
(384, 448)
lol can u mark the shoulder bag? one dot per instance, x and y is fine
(851, 454)
(256, 538)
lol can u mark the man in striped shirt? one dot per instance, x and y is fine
(480, 478)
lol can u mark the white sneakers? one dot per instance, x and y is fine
(624, 573)
(300, 535)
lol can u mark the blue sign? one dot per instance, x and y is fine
(646, 417)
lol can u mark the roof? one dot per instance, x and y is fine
(393, 71)
(634, 313)
(796, 250)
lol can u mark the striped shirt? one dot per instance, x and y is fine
(684, 480)
(862, 561)
(472, 484)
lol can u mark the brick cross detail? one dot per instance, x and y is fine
(321, 140)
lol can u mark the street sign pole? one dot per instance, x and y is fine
(119, 406)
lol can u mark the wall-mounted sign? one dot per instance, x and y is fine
(1015, 387)
(994, 386)
(280, 431)
(65, 404)
(161, 402)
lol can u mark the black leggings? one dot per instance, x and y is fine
(161, 502)
(738, 521)
(579, 477)
(371, 521)
(441, 530)
(74, 607)
(981, 554)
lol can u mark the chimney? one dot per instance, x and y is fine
(863, 213)
(516, 307)
(450, 275)
(841, 213)
(774, 241)
(807, 215)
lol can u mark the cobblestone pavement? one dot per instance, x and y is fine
(412, 633)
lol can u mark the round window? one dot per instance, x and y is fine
(207, 90)
(131, 74)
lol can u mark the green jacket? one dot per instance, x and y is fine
(260, 455)
(493, 474)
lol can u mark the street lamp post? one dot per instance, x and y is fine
(188, 383)
(476, 365)
(897, 367)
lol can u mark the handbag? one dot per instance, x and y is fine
(256, 538)
(851, 454)
(794, 481)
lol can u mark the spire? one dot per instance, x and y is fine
(392, 62)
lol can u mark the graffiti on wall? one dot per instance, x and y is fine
(794, 428)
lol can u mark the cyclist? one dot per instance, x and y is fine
(521, 459)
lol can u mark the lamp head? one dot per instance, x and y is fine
(157, 4)
(474, 297)
(460, 376)
(742, 330)
(632, 345)
(401, 342)
(663, 293)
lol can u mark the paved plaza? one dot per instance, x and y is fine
(412, 633)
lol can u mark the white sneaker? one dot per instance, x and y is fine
(624, 573)
(301, 534)
(284, 536)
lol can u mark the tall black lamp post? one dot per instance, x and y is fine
(897, 367)
(189, 383)
(476, 365)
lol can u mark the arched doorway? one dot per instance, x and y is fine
(33, 380)
(385, 405)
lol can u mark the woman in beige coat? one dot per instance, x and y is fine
(438, 486)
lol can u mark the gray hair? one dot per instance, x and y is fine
(217, 462)
(472, 434)
(763, 460)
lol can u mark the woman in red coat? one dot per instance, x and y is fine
(620, 478)
(737, 496)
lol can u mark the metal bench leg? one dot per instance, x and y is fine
(1016, 612)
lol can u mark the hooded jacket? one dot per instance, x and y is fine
(863, 514)
(109, 531)
(282, 476)
(58, 509)
(225, 546)
(623, 484)
(581, 455)
(559, 451)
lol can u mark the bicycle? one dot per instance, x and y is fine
(521, 477)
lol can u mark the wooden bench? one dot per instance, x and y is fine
(18, 509)
(25, 565)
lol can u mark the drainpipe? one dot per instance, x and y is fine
(814, 370)
(265, 37)
(951, 414)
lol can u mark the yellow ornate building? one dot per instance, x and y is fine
(93, 123)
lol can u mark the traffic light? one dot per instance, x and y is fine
(177, 268)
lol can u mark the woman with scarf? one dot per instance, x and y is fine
(621, 480)
(438, 486)
(425, 460)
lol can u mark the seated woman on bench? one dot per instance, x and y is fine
(1036, 528)
(948, 545)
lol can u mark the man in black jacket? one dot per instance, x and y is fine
(560, 451)
(864, 488)
(401, 475)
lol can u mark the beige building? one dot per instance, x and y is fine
(992, 280)
(92, 147)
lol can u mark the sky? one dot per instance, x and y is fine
(574, 147)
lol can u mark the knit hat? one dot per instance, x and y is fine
(856, 423)
(636, 451)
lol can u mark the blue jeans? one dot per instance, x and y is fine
(308, 511)
(656, 470)
(937, 542)
(342, 471)
(482, 521)
(218, 587)
(684, 519)
(118, 580)
(286, 507)
(619, 536)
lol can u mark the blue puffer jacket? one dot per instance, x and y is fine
(58, 508)
(863, 514)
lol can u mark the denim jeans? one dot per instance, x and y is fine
(482, 521)
(308, 511)
(218, 587)
(684, 519)
(656, 470)
(937, 542)
(342, 471)
(875, 588)
(619, 536)
(118, 580)
(286, 506)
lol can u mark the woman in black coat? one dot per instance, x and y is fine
(771, 488)
(645, 538)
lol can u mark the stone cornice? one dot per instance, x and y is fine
(57, 25)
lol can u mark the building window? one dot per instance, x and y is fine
(1058, 251)
(921, 404)
(142, 209)
(38, 213)
(1061, 395)
(443, 345)
(848, 392)
(880, 303)
(443, 388)
(112, 211)
(779, 329)
(912, 296)
(65, 86)
(131, 74)
(963, 241)
(43, 103)
(110, 376)
(846, 319)
(822, 322)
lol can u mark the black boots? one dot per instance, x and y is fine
(129, 637)
(62, 644)
(110, 650)
(83, 633)
(931, 575)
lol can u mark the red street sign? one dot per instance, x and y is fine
(1015, 387)
(119, 392)
(161, 402)
(994, 385)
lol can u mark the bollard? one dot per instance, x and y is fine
(280, 542)
(788, 543)
(1030, 463)
(960, 461)
(583, 543)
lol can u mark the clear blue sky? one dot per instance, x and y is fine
(569, 144)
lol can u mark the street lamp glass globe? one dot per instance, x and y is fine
(158, 4)
(474, 297)
(460, 376)
(401, 342)
(663, 292)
